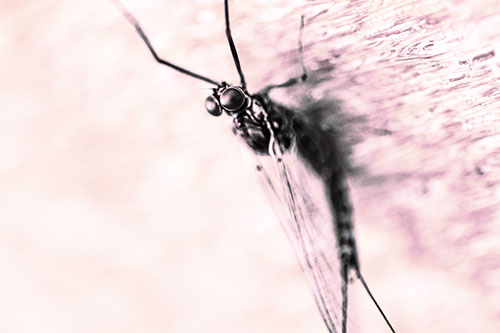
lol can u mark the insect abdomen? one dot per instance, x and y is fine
(320, 149)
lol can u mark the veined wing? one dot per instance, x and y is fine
(298, 197)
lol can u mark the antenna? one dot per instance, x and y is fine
(141, 33)
(233, 47)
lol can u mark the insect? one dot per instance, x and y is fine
(289, 147)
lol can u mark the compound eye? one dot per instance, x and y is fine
(232, 99)
(212, 106)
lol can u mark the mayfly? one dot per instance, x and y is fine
(295, 146)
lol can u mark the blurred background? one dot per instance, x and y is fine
(125, 207)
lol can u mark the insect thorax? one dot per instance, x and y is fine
(264, 122)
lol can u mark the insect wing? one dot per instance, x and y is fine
(298, 197)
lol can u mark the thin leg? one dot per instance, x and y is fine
(233, 47)
(301, 51)
(141, 33)
(303, 77)
(374, 301)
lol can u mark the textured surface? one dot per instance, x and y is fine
(125, 208)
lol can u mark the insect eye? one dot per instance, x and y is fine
(212, 106)
(232, 99)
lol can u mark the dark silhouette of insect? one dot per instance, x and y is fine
(281, 133)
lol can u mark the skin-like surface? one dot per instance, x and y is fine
(125, 207)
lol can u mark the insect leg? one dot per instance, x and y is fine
(232, 46)
(141, 33)
(374, 301)
(301, 51)
(303, 77)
